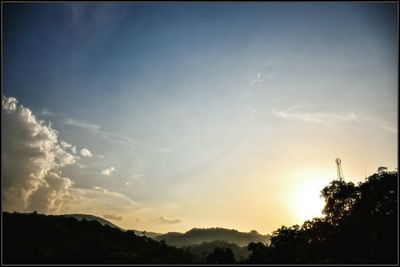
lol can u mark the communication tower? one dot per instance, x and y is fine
(339, 169)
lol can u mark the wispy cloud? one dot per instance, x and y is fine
(164, 220)
(316, 117)
(46, 112)
(332, 118)
(113, 137)
(258, 79)
(112, 217)
(82, 124)
(389, 128)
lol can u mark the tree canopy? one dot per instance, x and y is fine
(359, 226)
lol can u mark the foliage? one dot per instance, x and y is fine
(359, 226)
(221, 255)
(199, 235)
(37, 238)
(201, 251)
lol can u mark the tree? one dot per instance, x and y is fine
(359, 226)
(258, 252)
(339, 198)
(221, 255)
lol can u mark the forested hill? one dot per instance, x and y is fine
(37, 238)
(89, 217)
(200, 235)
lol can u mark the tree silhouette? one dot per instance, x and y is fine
(37, 238)
(359, 226)
(221, 255)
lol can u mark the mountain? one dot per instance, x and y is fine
(153, 235)
(32, 238)
(89, 217)
(200, 251)
(103, 221)
(200, 235)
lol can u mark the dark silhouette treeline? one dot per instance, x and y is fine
(37, 238)
(359, 225)
(199, 235)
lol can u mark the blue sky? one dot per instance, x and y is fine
(198, 105)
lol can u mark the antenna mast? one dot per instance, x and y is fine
(339, 169)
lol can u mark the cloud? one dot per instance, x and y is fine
(32, 160)
(65, 145)
(112, 217)
(316, 117)
(86, 153)
(46, 112)
(258, 80)
(164, 220)
(32, 157)
(109, 136)
(98, 200)
(389, 128)
(108, 171)
(82, 124)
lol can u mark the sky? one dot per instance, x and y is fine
(168, 116)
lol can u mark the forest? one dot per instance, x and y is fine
(359, 225)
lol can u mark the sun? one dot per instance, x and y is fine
(306, 200)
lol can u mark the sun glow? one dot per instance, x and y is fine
(306, 201)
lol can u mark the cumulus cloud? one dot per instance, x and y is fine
(32, 160)
(108, 171)
(68, 146)
(32, 157)
(164, 220)
(112, 217)
(86, 153)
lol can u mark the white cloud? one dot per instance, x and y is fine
(86, 153)
(32, 160)
(65, 144)
(164, 220)
(108, 171)
(32, 157)
(9, 104)
(316, 117)
(82, 124)
(258, 80)
(46, 112)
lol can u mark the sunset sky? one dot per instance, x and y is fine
(168, 116)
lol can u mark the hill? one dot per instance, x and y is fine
(202, 250)
(89, 217)
(200, 235)
(41, 239)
